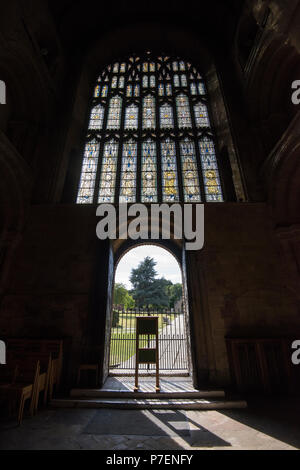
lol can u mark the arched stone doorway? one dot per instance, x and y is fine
(174, 355)
(176, 249)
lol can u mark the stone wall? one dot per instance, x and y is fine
(52, 291)
(242, 289)
(61, 281)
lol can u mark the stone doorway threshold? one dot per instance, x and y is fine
(176, 393)
(169, 384)
(148, 373)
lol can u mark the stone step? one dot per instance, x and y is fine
(98, 393)
(162, 373)
(149, 403)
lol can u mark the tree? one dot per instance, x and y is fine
(175, 293)
(122, 296)
(147, 289)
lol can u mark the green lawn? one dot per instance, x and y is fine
(128, 320)
(123, 349)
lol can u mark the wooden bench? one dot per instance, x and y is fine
(33, 367)
(42, 348)
(44, 375)
(24, 386)
(261, 365)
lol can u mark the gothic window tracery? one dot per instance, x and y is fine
(149, 135)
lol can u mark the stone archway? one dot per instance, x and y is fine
(174, 358)
(176, 250)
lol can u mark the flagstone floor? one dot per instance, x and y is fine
(147, 384)
(265, 424)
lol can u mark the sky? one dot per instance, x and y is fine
(166, 266)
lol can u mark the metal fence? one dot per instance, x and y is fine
(172, 340)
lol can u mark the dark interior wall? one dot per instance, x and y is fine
(58, 276)
(58, 282)
(55, 49)
(62, 276)
(238, 283)
(270, 32)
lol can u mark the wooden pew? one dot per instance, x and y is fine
(24, 387)
(43, 380)
(33, 366)
(44, 347)
(55, 347)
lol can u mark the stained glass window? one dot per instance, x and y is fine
(149, 172)
(88, 173)
(183, 111)
(114, 82)
(108, 172)
(193, 89)
(169, 89)
(97, 91)
(169, 171)
(201, 115)
(149, 112)
(176, 81)
(128, 172)
(96, 118)
(129, 90)
(149, 149)
(131, 117)
(104, 91)
(191, 188)
(201, 88)
(145, 81)
(114, 113)
(213, 190)
(166, 116)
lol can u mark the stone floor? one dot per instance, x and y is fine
(147, 384)
(266, 424)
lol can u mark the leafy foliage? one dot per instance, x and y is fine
(123, 297)
(150, 291)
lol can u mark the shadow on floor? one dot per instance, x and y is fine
(171, 423)
(277, 417)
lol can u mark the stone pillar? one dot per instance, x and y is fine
(101, 305)
(199, 330)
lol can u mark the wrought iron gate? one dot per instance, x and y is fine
(172, 340)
